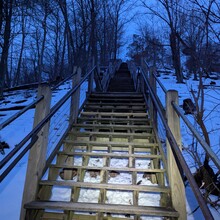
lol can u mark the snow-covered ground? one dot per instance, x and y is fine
(12, 187)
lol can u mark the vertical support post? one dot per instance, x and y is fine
(91, 78)
(153, 112)
(174, 175)
(74, 107)
(37, 155)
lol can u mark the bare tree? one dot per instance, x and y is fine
(5, 26)
(23, 33)
(119, 14)
(172, 17)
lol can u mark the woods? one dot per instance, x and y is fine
(187, 33)
(42, 40)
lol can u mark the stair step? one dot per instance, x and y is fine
(128, 95)
(116, 107)
(117, 98)
(116, 114)
(116, 128)
(119, 169)
(121, 187)
(113, 104)
(110, 143)
(112, 134)
(104, 208)
(124, 121)
(107, 155)
(112, 126)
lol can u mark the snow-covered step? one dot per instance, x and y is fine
(103, 208)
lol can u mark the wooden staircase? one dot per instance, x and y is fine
(111, 166)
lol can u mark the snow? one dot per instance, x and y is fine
(12, 187)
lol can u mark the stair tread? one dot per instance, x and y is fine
(115, 155)
(140, 188)
(113, 126)
(144, 120)
(141, 108)
(118, 94)
(120, 169)
(112, 104)
(136, 114)
(118, 134)
(94, 207)
(111, 143)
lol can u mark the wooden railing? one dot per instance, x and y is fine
(106, 73)
(36, 141)
(92, 78)
(146, 80)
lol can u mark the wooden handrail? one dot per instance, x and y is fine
(38, 127)
(21, 112)
(205, 146)
(177, 152)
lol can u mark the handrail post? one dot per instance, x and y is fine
(153, 112)
(91, 78)
(174, 175)
(37, 155)
(74, 107)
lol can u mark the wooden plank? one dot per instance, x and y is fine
(117, 114)
(108, 143)
(37, 154)
(117, 94)
(113, 134)
(115, 155)
(115, 107)
(93, 217)
(53, 216)
(88, 103)
(96, 120)
(122, 187)
(121, 169)
(93, 207)
(175, 177)
(102, 126)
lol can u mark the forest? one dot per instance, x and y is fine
(42, 40)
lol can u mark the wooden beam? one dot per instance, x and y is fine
(175, 178)
(37, 155)
(94, 207)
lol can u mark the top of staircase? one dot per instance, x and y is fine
(122, 81)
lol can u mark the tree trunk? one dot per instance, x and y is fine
(93, 32)
(41, 57)
(175, 48)
(6, 43)
(17, 75)
(70, 41)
